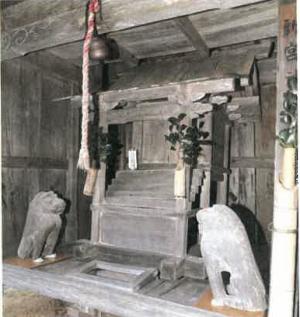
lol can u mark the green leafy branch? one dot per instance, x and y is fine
(288, 116)
(187, 138)
(108, 146)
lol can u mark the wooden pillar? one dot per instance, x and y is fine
(137, 139)
(285, 196)
(99, 192)
(71, 233)
(206, 159)
(222, 187)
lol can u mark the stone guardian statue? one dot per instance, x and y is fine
(42, 227)
(231, 268)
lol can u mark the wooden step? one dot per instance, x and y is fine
(167, 186)
(161, 193)
(140, 201)
(169, 171)
(135, 210)
(152, 176)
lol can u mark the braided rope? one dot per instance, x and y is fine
(84, 159)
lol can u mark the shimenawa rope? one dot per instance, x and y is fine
(84, 158)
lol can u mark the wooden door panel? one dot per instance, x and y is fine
(155, 148)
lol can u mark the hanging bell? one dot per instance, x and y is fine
(99, 49)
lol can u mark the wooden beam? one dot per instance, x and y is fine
(252, 162)
(33, 162)
(31, 11)
(243, 109)
(55, 65)
(155, 111)
(240, 108)
(128, 58)
(217, 27)
(72, 52)
(188, 29)
(105, 298)
(260, 49)
(34, 25)
(112, 98)
(234, 26)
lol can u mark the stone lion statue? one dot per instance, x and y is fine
(231, 268)
(42, 227)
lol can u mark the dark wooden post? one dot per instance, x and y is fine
(99, 192)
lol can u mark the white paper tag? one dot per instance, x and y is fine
(132, 159)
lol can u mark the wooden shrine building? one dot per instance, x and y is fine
(131, 248)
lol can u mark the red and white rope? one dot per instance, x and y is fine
(84, 159)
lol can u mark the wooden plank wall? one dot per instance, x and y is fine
(252, 159)
(38, 144)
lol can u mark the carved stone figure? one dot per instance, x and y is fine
(232, 271)
(43, 224)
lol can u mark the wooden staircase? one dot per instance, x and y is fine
(140, 212)
(152, 189)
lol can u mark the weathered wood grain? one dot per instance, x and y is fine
(154, 111)
(188, 29)
(53, 179)
(137, 139)
(33, 162)
(53, 126)
(267, 71)
(170, 72)
(221, 149)
(72, 52)
(113, 96)
(14, 208)
(265, 148)
(217, 28)
(180, 81)
(72, 229)
(242, 180)
(265, 131)
(245, 23)
(36, 10)
(20, 110)
(36, 35)
(244, 109)
(105, 298)
(252, 162)
(261, 49)
(247, 175)
(55, 65)
(34, 138)
(59, 22)
(157, 39)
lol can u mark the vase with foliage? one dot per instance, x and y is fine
(186, 140)
(287, 136)
(104, 148)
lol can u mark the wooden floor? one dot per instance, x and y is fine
(30, 264)
(204, 302)
(185, 291)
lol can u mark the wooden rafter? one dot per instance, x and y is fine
(33, 25)
(187, 27)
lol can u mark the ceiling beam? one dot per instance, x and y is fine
(218, 28)
(35, 24)
(55, 65)
(188, 29)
